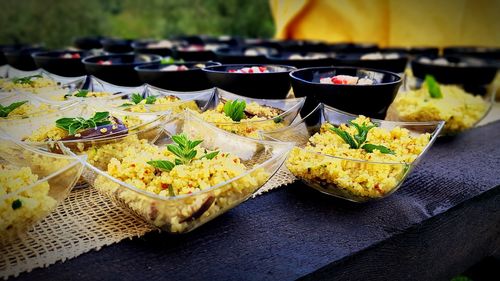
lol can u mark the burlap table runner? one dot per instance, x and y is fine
(85, 221)
(88, 221)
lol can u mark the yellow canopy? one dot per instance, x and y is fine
(390, 22)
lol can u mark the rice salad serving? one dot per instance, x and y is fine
(137, 103)
(354, 159)
(432, 102)
(245, 119)
(32, 84)
(23, 109)
(20, 208)
(180, 169)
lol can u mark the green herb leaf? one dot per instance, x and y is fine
(362, 132)
(235, 109)
(100, 116)
(171, 190)
(16, 204)
(345, 136)
(150, 100)
(433, 87)
(185, 151)
(136, 98)
(162, 164)
(210, 155)
(370, 147)
(5, 110)
(126, 104)
(82, 93)
(167, 60)
(72, 125)
(278, 120)
(25, 80)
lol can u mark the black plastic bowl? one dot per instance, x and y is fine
(236, 55)
(353, 48)
(117, 46)
(141, 47)
(397, 65)
(3, 60)
(477, 52)
(195, 55)
(121, 71)
(368, 100)
(284, 58)
(475, 72)
(88, 42)
(193, 79)
(53, 62)
(272, 85)
(20, 58)
(413, 51)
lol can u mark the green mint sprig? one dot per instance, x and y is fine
(72, 125)
(137, 98)
(359, 139)
(184, 149)
(26, 80)
(433, 87)
(5, 110)
(235, 109)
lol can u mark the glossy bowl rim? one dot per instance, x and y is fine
(288, 68)
(142, 68)
(44, 54)
(393, 83)
(154, 59)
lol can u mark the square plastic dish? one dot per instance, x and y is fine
(33, 184)
(183, 212)
(467, 93)
(21, 129)
(347, 178)
(164, 102)
(52, 88)
(289, 108)
(31, 106)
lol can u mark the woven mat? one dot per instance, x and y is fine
(86, 221)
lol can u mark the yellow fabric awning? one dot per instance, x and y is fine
(390, 22)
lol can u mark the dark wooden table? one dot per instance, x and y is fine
(445, 218)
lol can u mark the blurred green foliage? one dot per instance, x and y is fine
(56, 22)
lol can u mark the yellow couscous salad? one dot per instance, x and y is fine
(87, 94)
(23, 109)
(155, 104)
(177, 169)
(359, 150)
(32, 84)
(450, 103)
(244, 119)
(20, 210)
(73, 128)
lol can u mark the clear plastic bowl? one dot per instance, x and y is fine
(54, 93)
(458, 113)
(37, 106)
(334, 173)
(198, 101)
(36, 183)
(290, 107)
(20, 129)
(183, 213)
